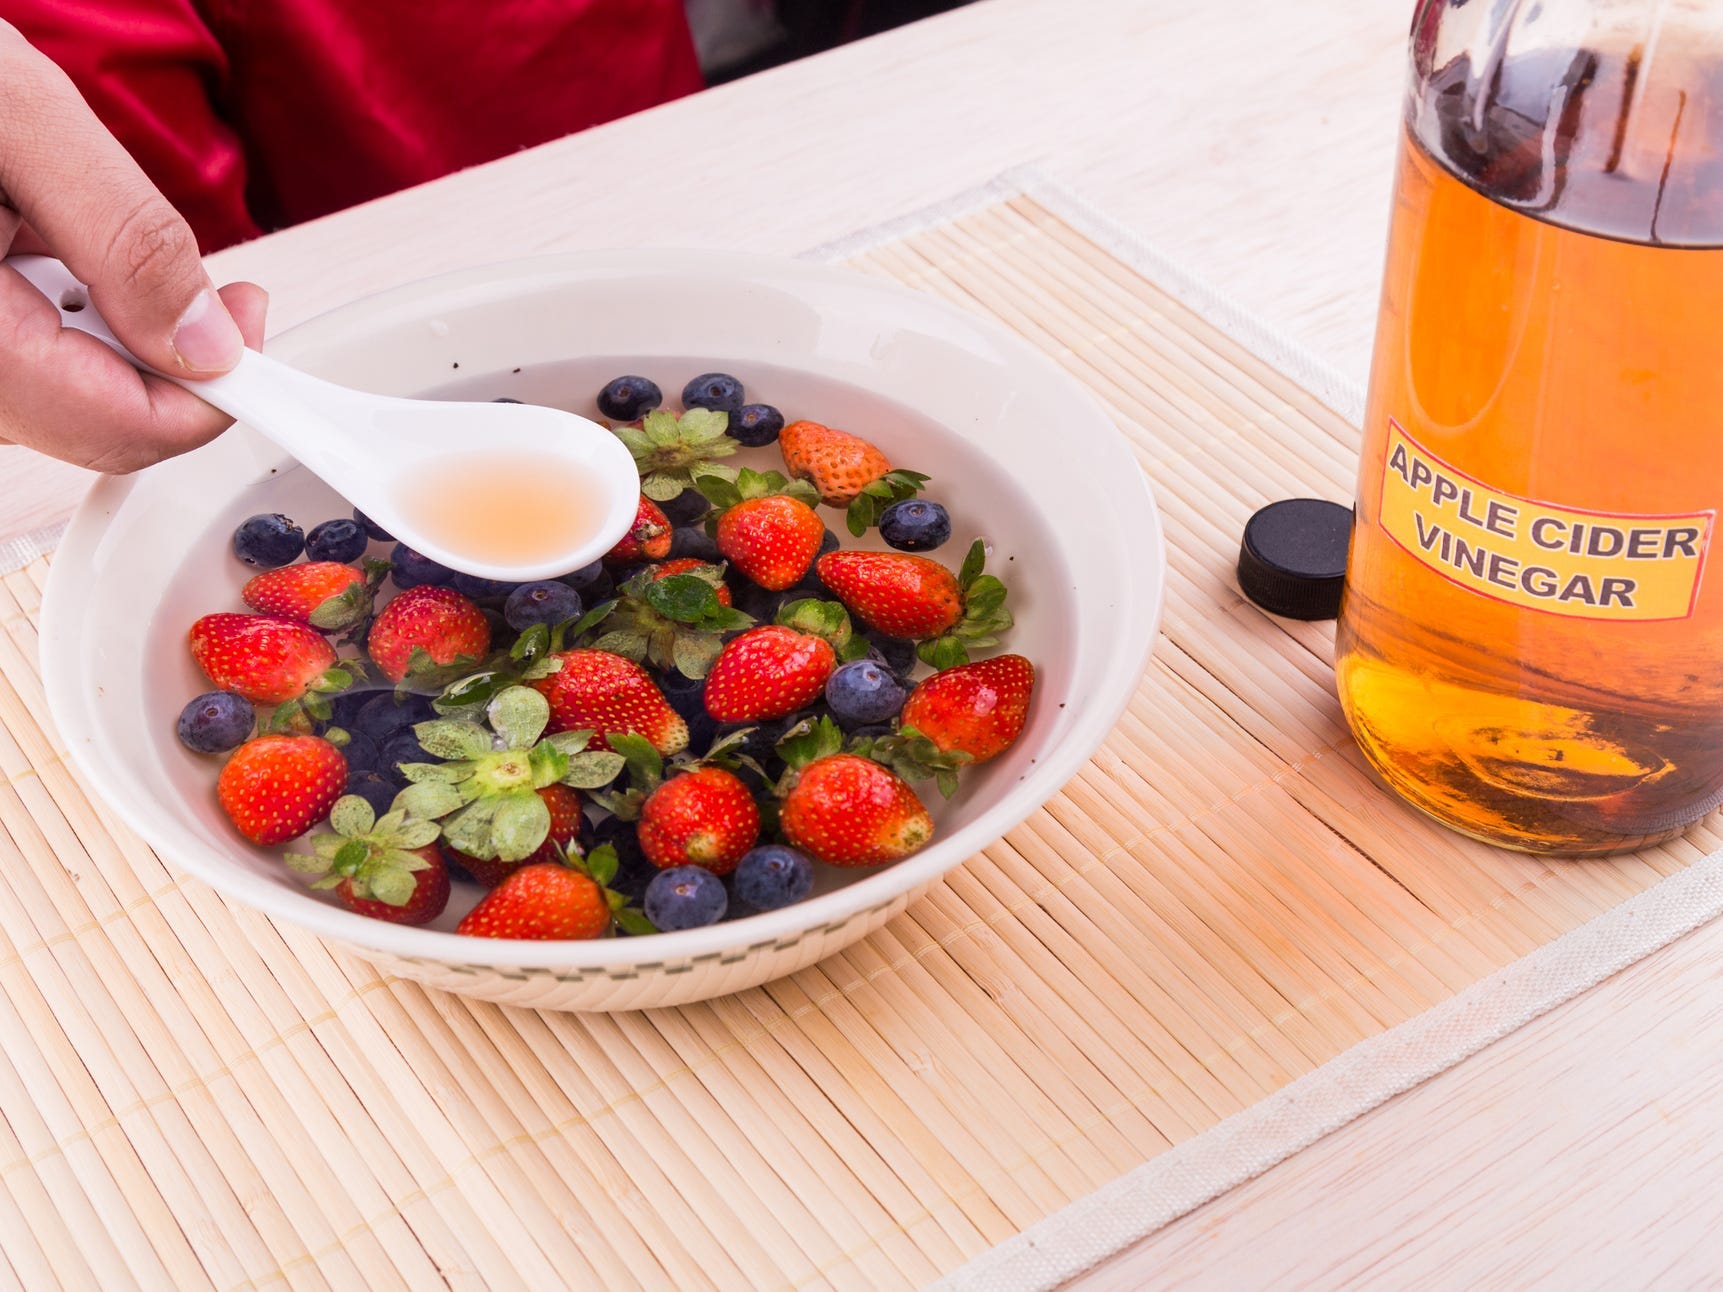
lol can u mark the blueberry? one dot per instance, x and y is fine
(376, 791)
(216, 722)
(614, 831)
(692, 540)
(627, 398)
(633, 871)
(471, 585)
(412, 569)
(813, 713)
(685, 897)
(773, 876)
(703, 731)
(336, 540)
(756, 425)
(603, 588)
(914, 525)
(683, 693)
(875, 654)
(584, 577)
(383, 715)
(759, 741)
(344, 707)
(372, 528)
(762, 740)
(360, 751)
(871, 730)
(686, 507)
(751, 599)
(864, 691)
(810, 584)
(541, 603)
(502, 636)
(897, 653)
(267, 541)
(718, 391)
(401, 747)
(633, 874)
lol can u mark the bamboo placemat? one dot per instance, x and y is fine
(1221, 902)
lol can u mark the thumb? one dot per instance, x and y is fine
(95, 210)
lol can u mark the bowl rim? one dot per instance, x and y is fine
(1132, 638)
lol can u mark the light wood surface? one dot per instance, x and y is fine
(1581, 1153)
(1252, 139)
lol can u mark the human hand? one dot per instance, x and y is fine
(69, 190)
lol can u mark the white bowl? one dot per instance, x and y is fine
(1018, 451)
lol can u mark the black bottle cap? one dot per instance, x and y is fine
(1293, 558)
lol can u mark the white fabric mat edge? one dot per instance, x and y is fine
(1088, 1231)
(20, 550)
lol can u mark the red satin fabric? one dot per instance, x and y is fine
(251, 115)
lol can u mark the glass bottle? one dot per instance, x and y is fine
(1531, 643)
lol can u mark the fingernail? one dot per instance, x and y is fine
(206, 339)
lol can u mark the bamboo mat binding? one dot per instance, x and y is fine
(1221, 902)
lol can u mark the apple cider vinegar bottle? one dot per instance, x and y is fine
(1531, 639)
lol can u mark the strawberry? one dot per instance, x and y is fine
(545, 901)
(594, 690)
(974, 709)
(912, 596)
(430, 893)
(565, 819)
(439, 622)
(894, 593)
(324, 594)
(849, 811)
(767, 672)
(839, 464)
(688, 565)
(267, 660)
(673, 616)
(666, 448)
(846, 810)
(275, 787)
(773, 540)
(389, 869)
(843, 809)
(647, 539)
(704, 817)
(502, 789)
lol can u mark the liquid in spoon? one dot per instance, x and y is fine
(503, 510)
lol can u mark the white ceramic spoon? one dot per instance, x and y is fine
(503, 491)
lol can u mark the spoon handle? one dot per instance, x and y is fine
(257, 390)
(370, 448)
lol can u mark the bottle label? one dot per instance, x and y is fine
(1561, 560)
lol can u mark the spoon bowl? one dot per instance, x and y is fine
(513, 492)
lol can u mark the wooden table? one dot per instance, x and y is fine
(1252, 140)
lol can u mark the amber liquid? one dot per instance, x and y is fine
(506, 510)
(1567, 351)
